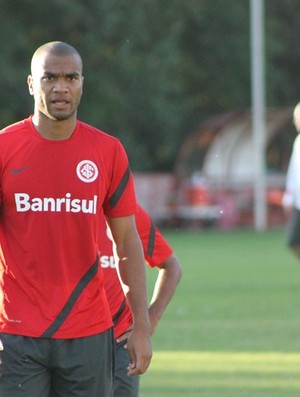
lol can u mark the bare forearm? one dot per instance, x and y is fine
(164, 289)
(132, 274)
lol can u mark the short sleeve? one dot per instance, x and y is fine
(120, 199)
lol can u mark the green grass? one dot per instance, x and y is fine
(233, 327)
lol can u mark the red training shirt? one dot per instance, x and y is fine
(156, 250)
(51, 196)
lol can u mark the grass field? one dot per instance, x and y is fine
(233, 327)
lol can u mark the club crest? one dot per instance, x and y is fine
(87, 171)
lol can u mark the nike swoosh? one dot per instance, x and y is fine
(17, 171)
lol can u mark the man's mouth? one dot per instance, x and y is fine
(60, 103)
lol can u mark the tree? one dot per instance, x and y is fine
(153, 70)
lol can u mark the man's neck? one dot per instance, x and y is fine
(54, 129)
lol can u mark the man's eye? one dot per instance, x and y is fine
(48, 78)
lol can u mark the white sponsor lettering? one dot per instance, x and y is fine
(13, 321)
(49, 204)
(108, 261)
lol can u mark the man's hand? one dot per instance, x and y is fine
(139, 351)
(124, 337)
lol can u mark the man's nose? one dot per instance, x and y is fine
(61, 85)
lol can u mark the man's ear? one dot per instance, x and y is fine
(30, 84)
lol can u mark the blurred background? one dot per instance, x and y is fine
(172, 80)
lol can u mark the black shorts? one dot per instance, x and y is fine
(293, 229)
(36, 367)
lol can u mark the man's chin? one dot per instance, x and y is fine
(61, 116)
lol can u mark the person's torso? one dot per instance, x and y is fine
(52, 193)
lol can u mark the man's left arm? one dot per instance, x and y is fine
(131, 269)
(168, 277)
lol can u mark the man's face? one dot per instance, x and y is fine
(56, 84)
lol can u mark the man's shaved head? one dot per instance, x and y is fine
(56, 48)
(56, 83)
(297, 117)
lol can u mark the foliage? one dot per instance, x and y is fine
(153, 69)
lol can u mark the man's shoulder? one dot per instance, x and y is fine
(13, 128)
(96, 132)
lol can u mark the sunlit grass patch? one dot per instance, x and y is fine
(215, 374)
(233, 326)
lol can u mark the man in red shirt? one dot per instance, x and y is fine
(57, 175)
(159, 254)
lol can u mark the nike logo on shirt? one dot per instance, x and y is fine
(18, 170)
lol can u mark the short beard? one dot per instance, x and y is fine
(60, 116)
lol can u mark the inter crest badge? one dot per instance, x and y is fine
(87, 171)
